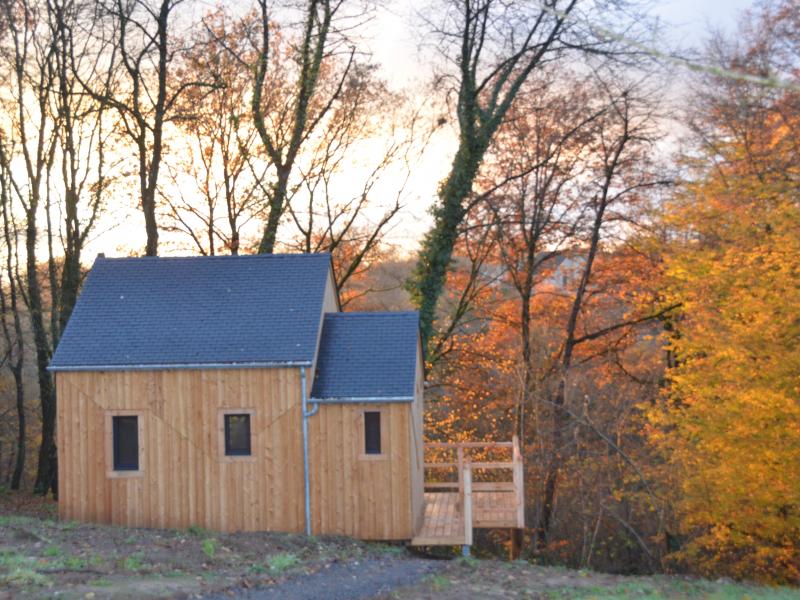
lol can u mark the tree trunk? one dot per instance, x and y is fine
(46, 477)
(276, 205)
(19, 465)
(150, 224)
(436, 253)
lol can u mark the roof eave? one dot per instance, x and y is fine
(182, 366)
(361, 400)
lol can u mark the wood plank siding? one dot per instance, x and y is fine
(363, 496)
(184, 479)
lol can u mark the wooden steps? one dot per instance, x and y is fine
(453, 509)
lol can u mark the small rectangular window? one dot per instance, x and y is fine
(237, 435)
(126, 443)
(372, 432)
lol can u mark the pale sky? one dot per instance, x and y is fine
(396, 48)
(394, 37)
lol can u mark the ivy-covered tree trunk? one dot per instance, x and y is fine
(46, 473)
(491, 72)
(430, 274)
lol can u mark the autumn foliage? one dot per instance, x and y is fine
(730, 422)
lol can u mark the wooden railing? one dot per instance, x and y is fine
(505, 476)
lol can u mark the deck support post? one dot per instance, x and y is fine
(514, 543)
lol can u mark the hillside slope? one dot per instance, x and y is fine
(43, 558)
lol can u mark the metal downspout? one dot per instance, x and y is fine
(306, 473)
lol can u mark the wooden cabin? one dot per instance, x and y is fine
(232, 393)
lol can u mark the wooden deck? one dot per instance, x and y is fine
(454, 508)
(444, 521)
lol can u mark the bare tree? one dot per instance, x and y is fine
(219, 181)
(326, 60)
(10, 311)
(493, 47)
(621, 164)
(29, 56)
(81, 158)
(532, 186)
(335, 208)
(136, 47)
(55, 135)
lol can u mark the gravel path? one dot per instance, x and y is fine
(342, 581)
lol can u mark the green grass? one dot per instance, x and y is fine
(9, 520)
(101, 582)
(440, 582)
(283, 561)
(134, 562)
(24, 576)
(210, 547)
(52, 551)
(74, 563)
(392, 550)
(664, 589)
(11, 560)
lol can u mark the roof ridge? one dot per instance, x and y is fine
(217, 256)
(371, 313)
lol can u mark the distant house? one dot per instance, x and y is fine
(232, 393)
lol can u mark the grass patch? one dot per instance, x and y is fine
(96, 560)
(257, 569)
(662, 589)
(393, 550)
(101, 582)
(52, 551)
(12, 560)
(283, 561)
(440, 582)
(24, 576)
(134, 562)
(210, 547)
(74, 563)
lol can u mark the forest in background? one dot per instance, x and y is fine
(622, 297)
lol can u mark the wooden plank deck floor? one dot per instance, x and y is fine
(443, 524)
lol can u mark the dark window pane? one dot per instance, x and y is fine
(237, 435)
(372, 432)
(126, 443)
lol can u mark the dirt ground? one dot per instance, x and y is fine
(44, 558)
(41, 557)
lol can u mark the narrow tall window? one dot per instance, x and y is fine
(372, 432)
(126, 443)
(237, 435)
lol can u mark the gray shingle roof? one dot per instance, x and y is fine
(367, 355)
(223, 311)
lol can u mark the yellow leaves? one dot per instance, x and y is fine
(731, 428)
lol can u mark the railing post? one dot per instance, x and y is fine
(519, 482)
(460, 467)
(467, 504)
